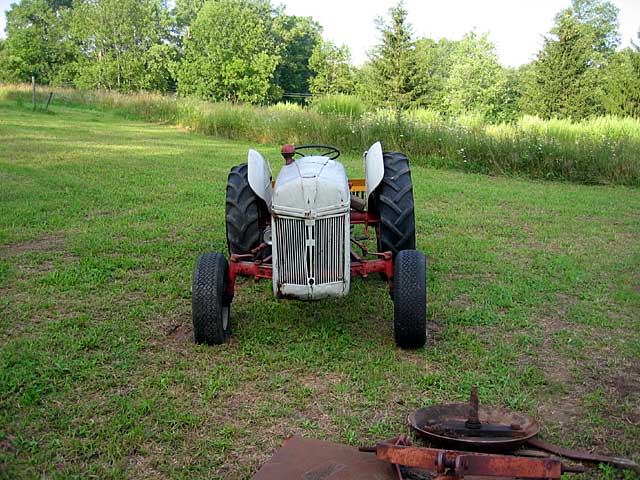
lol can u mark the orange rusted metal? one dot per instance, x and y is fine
(309, 459)
(357, 185)
(474, 427)
(457, 464)
(362, 268)
(363, 218)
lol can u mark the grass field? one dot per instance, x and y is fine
(534, 295)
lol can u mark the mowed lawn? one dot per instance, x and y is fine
(534, 296)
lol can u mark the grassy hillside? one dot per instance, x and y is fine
(604, 150)
(533, 296)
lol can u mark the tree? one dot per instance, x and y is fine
(230, 54)
(37, 41)
(526, 85)
(568, 73)
(125, 44)
(622, 83)
(599, 19)
(296, 38)
(566, 79)
(331, 69)
(476, 79)
(186, 12)
(433, 68)
(393, 61)
(506, 103)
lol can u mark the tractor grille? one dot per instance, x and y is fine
(310, 250)
(291, 245)
(329, 251)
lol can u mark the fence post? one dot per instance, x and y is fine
(46, 109)
(33, 91)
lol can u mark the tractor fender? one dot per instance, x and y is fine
(373, 168)
(259, 175)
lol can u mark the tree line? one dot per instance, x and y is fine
(251, 51)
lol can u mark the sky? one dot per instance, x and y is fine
(514, 26)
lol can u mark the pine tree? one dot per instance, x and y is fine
(567, 75)
(565, 79)
(622, 83)
(393, 61)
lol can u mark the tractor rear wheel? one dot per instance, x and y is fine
(243, 211)
(210, 308)
(410, 299)
(393, 201)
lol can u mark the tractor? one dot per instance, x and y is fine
(298, 231)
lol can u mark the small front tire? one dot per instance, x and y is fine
(410, 299)
(210, 308)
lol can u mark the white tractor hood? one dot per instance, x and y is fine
(311, 186)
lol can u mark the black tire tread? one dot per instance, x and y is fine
(393, 200)
(410, 299)
(208, 299)
(242, 212)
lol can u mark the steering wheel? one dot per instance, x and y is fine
(322, 150)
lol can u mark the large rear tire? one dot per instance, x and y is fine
(410, 299)
(393, 201)
(210, 308)
(243, 211)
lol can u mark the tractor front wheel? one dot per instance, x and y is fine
(410, 299)
(210, 308)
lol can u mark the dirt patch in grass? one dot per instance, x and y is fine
(49, 243)
(7, 447)
(559, 412)
(179, 332)
(585, 381)
(35, 270)
(142, 465)
(627, 382)
(462, 302)
(172, 329)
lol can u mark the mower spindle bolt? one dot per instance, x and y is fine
(473, 421)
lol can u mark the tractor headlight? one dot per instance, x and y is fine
(266, 236)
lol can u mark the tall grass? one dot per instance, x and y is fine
(347, 105)
(601, 150)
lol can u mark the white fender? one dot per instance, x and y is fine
(373, 168)
(259, 173)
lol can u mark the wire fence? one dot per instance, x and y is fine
(172, 90)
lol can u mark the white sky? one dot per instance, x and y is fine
(515, 26)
